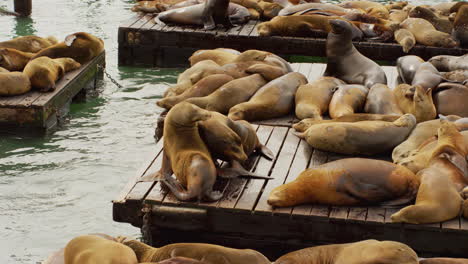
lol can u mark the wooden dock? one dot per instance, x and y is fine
(242, 218)
(142, 41)
(41, 111)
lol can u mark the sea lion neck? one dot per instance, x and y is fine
(142, 251)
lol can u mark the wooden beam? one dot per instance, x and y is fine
(23, 7)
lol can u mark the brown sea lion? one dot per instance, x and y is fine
(251, 5)
(418, 102)
(80, 46)
(426, 34)
(14, 60)
(230, 94)
(216, 12)
(444, 260)
(445, 63)
(381, 100)
(313, 99)
(342, 56)
(398, 16)
(443, 8)
(152, 6)
(221, 56)
(270, 10)
(30, 44)
(97, 249)
(371, 8)
(249, 139)
(460, 26)
(363, 137)
(457, 6)
(208, 253)
(405, 38)
(441, 24)
(274, 99)
(450, 99)
(407, 67)
(268, 72)
(304, 124)
(186, 155)
(348, 99)
(396, 5)
(427, 76)
(353, 181)
(177, 260)
(456, 76)
(204, 87)
(366, 251)
(44, 71)
(438, 198)
(14, 83)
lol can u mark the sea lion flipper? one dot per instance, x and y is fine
(239, 172)
(266, 152)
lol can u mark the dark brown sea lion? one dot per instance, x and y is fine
(364, 137)
(80, 46)
(44, 72)
(444, 260)
(381, 100)
(415, 100)
(366, 251)
(441, 24)
(407, 67)
(450, 99)
(31, 44)
(457, 6)
(353, 181)
(14, 83)
(426, 34)
(208, 253)
(342, 55)
(427, 76)
(313, 99)
(460, 26)
(445, 63)
(216, 12)
(348, 99)
(14, 60)
(274, 99)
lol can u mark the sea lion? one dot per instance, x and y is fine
(268, 72)
(270, 10)
(274, 99)
(3, 70)
(30, 44)
(152, 6)
(352, 181)
(221, 56)
(204, 87)
(97, 249)
(14, 60)
(14, 83)
(457, 6)
(460, 26)
(396, 5)
(456, 76)
(313, 99)
(405, 38)
(363, 137)
(444, 260)
(250, 141)
(348, 99)
(381, 100)
(44, 71)
(398, 16)
(366, 251)
(177, 260)
(186, 155)
(407, 67)
(445, 63)
(426, 34)
(216, 12)
(371, 8)
(418, 102)
(427, 76)
(252, 6)
(304, 124)
(230, 94)
(438, 198)
(208, 253)
(441, 24)
(290, 10)
(443, 8)
(80, 46)
(450, 99)
(342, 55)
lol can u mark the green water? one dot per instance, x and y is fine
(60, 185)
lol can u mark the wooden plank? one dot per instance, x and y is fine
(463, 224)
(339, 213)
(357, 214)
(317, 71)
(248, 28)
(131, 21)
(453, 224)
(320, 211)
(375, 215)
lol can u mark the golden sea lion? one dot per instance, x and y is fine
(353, 181)
(418, 102)
(348, 99)
(456, 76)
(313, 99)
(207, 253)
(366, 251)
(381, 100)
(221, 56)
(177, 260)
(460, 26)
(230, 94)
(440, 23)
(363, 137)
(447, 63)
(371, 8)
(44, 71)
(14, 60)
(14, 83)
(427, 76)
(3, 70)
(250, 141)
(274, 99)
(426, 34)
(407, 67)
(30, 44)
(449, 99)
(270, 10)
(444, 260)
(443, 8)
(152, 6)
(405, 38)
(204, 87)
(304, 124)
(80, 46)
(438, 198)
(398, 16)
(396, 5)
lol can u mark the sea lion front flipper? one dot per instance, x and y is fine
(266, 152)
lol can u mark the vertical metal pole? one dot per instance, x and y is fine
(23, 7)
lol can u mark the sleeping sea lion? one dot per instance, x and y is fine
(274, 99)
(443, 8)
(407, 67)
(221, 56)
(405, 38)
(347, 99)
(456, 76)
(440, 23)
(449, 99)
(363, 137)
(14, 83)
(313, 99)
(250, 141)
(371, 8)
(427, 76)
(426, 34)
(398, 16)
(14, 60)
(30, 44)
(445, 63)
(396, 5)
(381, 100)
(353, 181)
(290, 10)
(343, 56)
(460, 26)
(418, 102)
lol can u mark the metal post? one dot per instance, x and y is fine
(23, 7)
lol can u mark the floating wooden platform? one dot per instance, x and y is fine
(41, 111)
(142, 41)
(242, 218)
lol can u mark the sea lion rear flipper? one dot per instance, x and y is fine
(266, 152)
(230, 173)
(397, 202)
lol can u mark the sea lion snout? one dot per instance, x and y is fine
(339, 26)
(236, 114)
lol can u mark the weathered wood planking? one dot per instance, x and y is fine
(41, 111)
(142, 41)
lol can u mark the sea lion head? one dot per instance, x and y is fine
(5, 58)
(236, 113)
(340, 27)
(270, 10)
(73, 38)
(421, 95)
(406, 120)
(441, 62)
(304, 124)
(70, 64)
(187, 114)
(252, 55)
